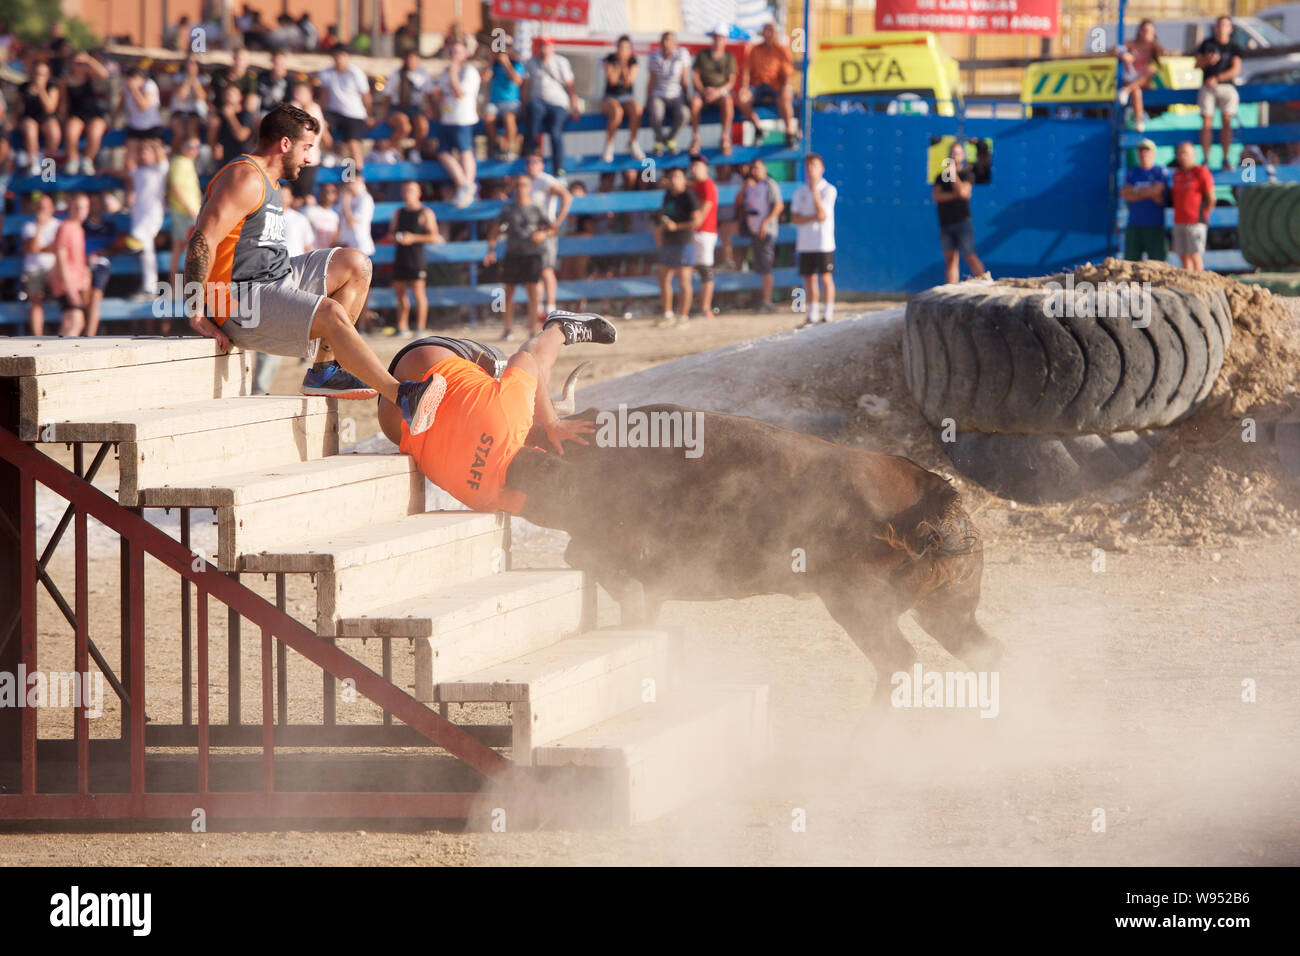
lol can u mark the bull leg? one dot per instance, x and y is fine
(636, 607)
(873, 627)
(948, 616)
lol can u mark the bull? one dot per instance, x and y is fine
(765, 510)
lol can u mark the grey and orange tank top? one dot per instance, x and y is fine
(254, 250)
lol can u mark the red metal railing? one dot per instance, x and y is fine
(140, 538)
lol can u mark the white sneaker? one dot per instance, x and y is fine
(70, 169)
(608, 155)
(635, 149)
(87, 166)
(666, 320)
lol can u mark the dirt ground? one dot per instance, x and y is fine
(1147, 708)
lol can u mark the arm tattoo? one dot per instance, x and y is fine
(198, 263)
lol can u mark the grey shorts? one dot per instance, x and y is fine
(550, 252)
(1189, 238)
(275, 317)
(1223, 95)
(764, 254)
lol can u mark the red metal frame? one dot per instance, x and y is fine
(515, 786)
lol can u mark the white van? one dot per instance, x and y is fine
(1285, 18)
(1184, 36)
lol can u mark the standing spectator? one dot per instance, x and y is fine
(714, 73)
(323, 216)
(184, 197)
(305, 184)
(405, 94)
(728, 222)
(146, 200)
(812, 209)
(706, 234)
(551, 97)
(357, 211)
(299, 237)
(768, 79)
(951, 193)
(38, 258)
(85, 111)
(70, 279)
(555, 199)
(412, 227)
(680, 216)
(457, 94)
(273, 84)
(1193, 191)
(1141, 62)
(527, 229)
(285, 36)
(190, 102)
(231, 127)
(1219, 59)
(620, 99)
(1146, 186)
(140, 100)
(40, 99)
(101, 236)
(504, 73)
(347, 103)
(310, 35)
(176, 36)
(670, 75)
(759, 206)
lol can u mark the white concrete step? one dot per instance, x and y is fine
(569, 685)
(258, 508)
(69, 380)
(363, 568)
(177, 443)
(462, 627)
(657, 757)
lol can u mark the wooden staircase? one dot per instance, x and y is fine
(601, 711)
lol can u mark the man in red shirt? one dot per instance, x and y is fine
(1193, 200)
(706, 236)
(70, 277)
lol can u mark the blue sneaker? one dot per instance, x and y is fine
(334, 381)
(418, 402)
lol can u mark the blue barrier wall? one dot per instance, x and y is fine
(1048, 206)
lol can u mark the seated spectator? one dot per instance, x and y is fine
(1219, 59)
(301, 97)
(141, 101)
(527, 228)
(405, 96)
(176, 36)
(1146, 187)
(101, 238)
(184, 197)
(768, 80)
(551, 97)
(347, 103)
(237, 74)
(299, 236)
(505, 75)
(357, 211)
(670, 76)
(310, 35)
(273, 84)
(190, 102)
(285, 36)
(385, 153)
(620, 99)
(86, 111)
(456, 93)
(70, 278)
(680, 216)
(412, 227)
(146, 195)
(38, 258)
(230, 127)
(714, 72)
(758, 211)
(40, 100)
(1141, 58)
(323, 216)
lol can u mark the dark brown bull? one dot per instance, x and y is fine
(879, 535)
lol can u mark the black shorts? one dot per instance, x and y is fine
(88, 113)
(487, 357)
(521, 269)
(65, 303)
(408, 275)
(816, 263)
(152, 132)
(345, 127)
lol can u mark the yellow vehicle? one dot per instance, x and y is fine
(1092, 80)
(908, 67)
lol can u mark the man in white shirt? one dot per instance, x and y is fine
(552, 195)
(357, 210)
(141, 102)
(456, 93)
(670, 76)
(812, 209)
(324, 218)
(38, 258)
(406, 92)
(347, 103)
(551, 97)
(146, 200)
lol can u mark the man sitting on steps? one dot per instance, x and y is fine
(480, 424)
(255, 295)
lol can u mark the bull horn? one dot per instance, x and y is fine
(564, 405)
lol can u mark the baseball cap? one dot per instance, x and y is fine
(721, 30)
(699, 158)
(1146, 144)
(546, 41)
